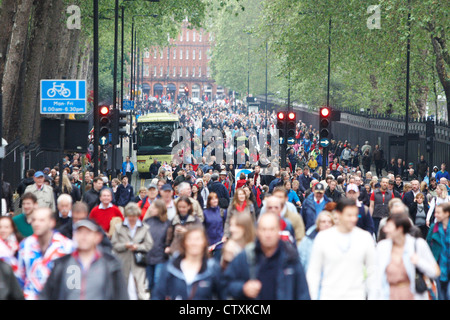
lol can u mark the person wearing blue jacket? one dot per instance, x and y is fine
(190, 275)
(127, 169)
(214, 222)
(313, 205)
(124, 193)
(267, 269)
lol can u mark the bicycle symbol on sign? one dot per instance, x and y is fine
(58, 89)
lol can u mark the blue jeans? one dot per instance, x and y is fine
(153, 273)
(442, 289)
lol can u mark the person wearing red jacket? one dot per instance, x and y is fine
(242, 181)
(105, 211)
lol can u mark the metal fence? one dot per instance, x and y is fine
(377, 129)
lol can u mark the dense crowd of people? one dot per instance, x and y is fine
(198, 231)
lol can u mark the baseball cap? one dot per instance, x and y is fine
(38, 174)
(223, 173)
(319, 187)
(411, 164)
(352, 187)
(166, 187)
(152, 185)
(87, 223)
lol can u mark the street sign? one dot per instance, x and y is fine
(324, 143)
(128, 105)
(281, 140)
(63, 96)
(291, 141)
(103, 141)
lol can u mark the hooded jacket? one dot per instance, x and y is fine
(291, 280)
(172, 284)
(309, 213)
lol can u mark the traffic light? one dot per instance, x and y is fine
(120, 121)
(324, 123)
(291, 119)
(105, 123)
(281, 124)
(186, 91)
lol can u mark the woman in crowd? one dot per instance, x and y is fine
(240, 204)
(441, 197)
(251, 197)
(398, 258)
(213, 223)
(190, 275)
(114, 184)
(242, 232)
(132, 237)
(418, 211)
(242, 181)
(324, 221)
(203, 190)
(438, 239)
(197, 195)
(9, 242)
(292, 195)
(158, 222)
(183, 218)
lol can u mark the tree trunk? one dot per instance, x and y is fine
(8, 10)
(37, 52)
(13, 63)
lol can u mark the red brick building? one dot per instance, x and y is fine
(183, 64)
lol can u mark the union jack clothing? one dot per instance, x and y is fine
(8, 249)
(35, 266)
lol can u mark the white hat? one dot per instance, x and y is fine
(352, 187)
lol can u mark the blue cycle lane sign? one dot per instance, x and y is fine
(63, 96)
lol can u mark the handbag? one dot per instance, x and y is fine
(421, 285)
(140, 258)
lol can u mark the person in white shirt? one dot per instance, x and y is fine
(166, 193)
(342, 259)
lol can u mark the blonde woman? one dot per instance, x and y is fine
(239, 204)
(132, 237)
(441, 197)
(324, 221)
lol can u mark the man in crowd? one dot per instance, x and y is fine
(127, 168)
(105, 211)
(314, 204)
(365, 221)
(379, 200)
(124, 193)
(92, 196)
(166, 194)
(305, 180)
(268, 269)
(76, 276)
(23, 220)
(152, 194)
(408, 197)
(442, 173)
(64, 205)
(331, 192)
(342, 262)
(220, 190)
(154, 168)
(43, 192)
(37, 252)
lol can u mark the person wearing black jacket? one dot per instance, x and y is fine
(422, 168)
(154, 168)
(221, 191)
(7, 194)
(92, 196)
(10, 288)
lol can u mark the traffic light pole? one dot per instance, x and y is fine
(96, 106)
(115, 118)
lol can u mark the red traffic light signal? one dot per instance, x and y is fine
(104, 110)
(291, 115)
(325, 112)
(280, 115)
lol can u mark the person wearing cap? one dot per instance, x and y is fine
(166, 194)
(314, 204)
(365, 221)
(222, 192)
(223, 176)
(75, 276)
(151, 196)
(43, 192)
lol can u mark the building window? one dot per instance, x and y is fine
(187, 71)
(146, 70)
(181, 54)
(200, 35)
(199, 72)
(174, 54)
(193, 35)
(174, 71)
(193, 71)
(187, 54)
(181, 35)
(161, 54)
(199, 54)
(154, 71)
(168, 71)
(168, 53)
(161, 71)
(154, 53)
(187, 35)
(193, 54)
(147, 54)
(207, 72)
(181, 71)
